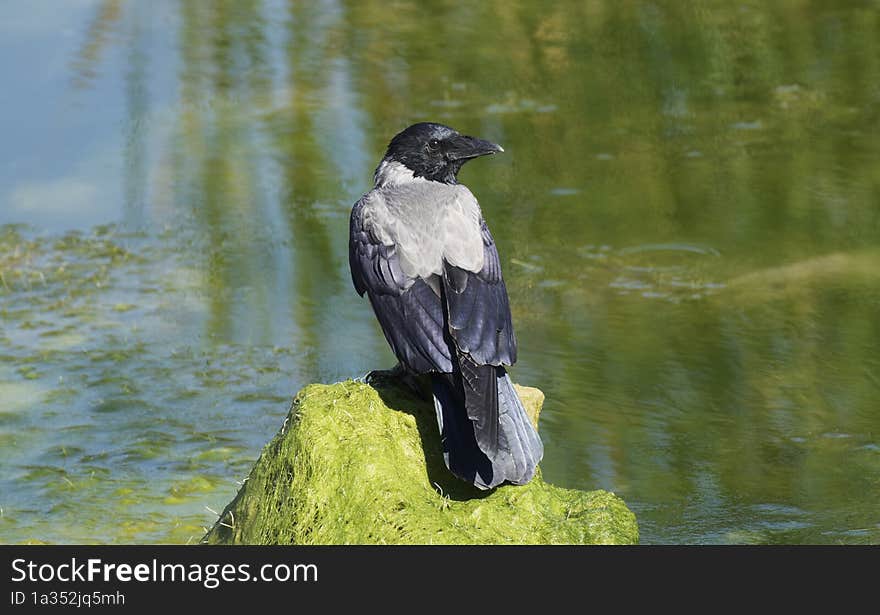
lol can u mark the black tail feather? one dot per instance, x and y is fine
(479, 384)
(487, 436)
(461, 453)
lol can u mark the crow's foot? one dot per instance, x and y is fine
(399, 374)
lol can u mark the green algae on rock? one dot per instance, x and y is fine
(354, 464)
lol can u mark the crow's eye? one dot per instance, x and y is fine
(433, 144)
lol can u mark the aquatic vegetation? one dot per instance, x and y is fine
(354, 464)
(98, 405)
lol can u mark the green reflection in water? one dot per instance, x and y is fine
(687, 211)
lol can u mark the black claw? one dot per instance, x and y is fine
(378, 375)
(399, 375)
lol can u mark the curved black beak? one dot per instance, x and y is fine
(462, 147)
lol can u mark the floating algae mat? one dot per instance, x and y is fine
(120, 415)
(355, 464)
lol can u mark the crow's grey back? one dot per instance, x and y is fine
(426, 221)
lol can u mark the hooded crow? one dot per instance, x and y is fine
(422, 252)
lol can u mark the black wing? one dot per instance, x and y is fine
(480, 325)
(479, 311)
(409, 311)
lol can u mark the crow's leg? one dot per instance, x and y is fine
(399, 374)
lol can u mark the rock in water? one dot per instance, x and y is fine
(354, 464)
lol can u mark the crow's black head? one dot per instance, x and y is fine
(435, 151)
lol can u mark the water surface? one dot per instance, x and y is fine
(687, 209)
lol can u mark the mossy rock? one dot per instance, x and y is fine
(354, 464)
